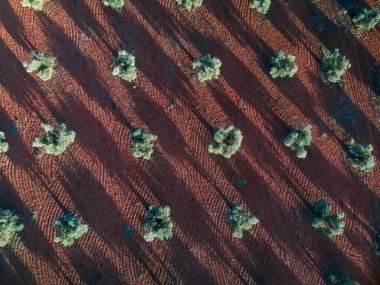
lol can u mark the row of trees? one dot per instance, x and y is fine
(158, 223)
(334, 65)
(362, 18)
(226, 142)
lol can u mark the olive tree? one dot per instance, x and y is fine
(4, 146)
(124, 66)
(361, 157)
(42, 63)
(142, 143)
(339, 278)
(240, 220)
(366, 18)
(36, 5)
(299, 140)
(158, 223)
(9, 226)
(55, 140)
(207, 67)
(189, 4)
(69, 228)
(114, 4)
(331, 224)
(226, 141)
(282, 65)
(262, 6)
(334, 65)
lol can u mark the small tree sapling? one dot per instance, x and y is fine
(55, 140)
(4, 146)
(189, 4)
(339, 278)
(9, 226)
(36, 5)
(124, 66)
(240, 220)
(331, 225)
(142, 144)
(226, 141)
(207, 67)
(42, 63)
(366, 18)
(282, 65)
(158, 223)
(361, 157)
(114, 4)
(70, 229)
(299, 140)
(334, 65)
(262, 6)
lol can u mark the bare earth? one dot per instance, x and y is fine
(99, 180)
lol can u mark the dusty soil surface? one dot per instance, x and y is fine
(99, 180)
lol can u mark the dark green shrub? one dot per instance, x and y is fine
(4, 146)
(331, 225)
(361, 157)
(42, 63)
(158, 223)
(114, 4)
(262, 6)
(366, 18)
(9, 226)
(207, 67)
(142, 144)
(282, 65)
(36, 5)
(334, 65)
(70, 229)
(240, 220)
(299, 140)
(226, 141)
(189, 4)
(55, 140)
(124, 66)
(339, 279)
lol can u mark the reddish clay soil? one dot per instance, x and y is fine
(99, 180)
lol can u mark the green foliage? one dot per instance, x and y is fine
(142, 144)
(334, 65)
(262, 6)
(339, 279)
(208, 67)
(282, 65)
(226, 141)
(333, 224)
(361, 157)
(42, 63)
(36, 5)
(367, 18)
(298, 141)
(240, 220)
(114, 4)
(9, 225)
(189, 4)
(70, 229)
(55, 140)
(125, 66)
(4, 146)
(158, 223)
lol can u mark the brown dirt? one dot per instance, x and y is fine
(98, 180)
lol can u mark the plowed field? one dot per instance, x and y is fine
(99, 180)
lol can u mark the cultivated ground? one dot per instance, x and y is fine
(99, 180)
